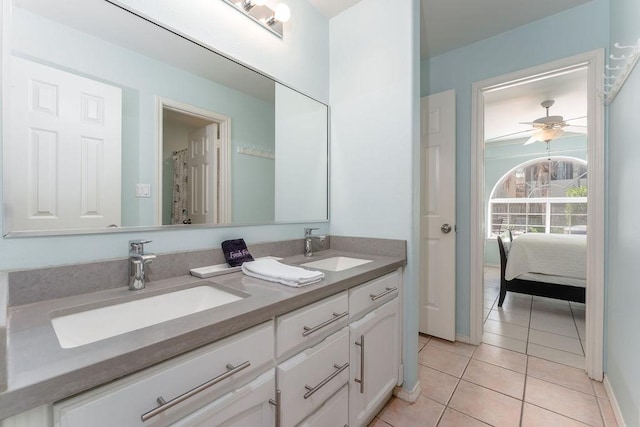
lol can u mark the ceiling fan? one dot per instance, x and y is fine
(549, 127)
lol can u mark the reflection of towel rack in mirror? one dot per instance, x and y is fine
(618, 69)
(257, 152)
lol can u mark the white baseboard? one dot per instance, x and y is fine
(463, 338)
(614, 402)
(409, 396)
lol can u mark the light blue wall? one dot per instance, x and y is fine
(374, 135)
(500, 158)
(574, 31)
(623, 270)
(300, 59)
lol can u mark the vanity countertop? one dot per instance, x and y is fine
(39, 371)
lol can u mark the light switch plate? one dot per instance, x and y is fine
(143, 190)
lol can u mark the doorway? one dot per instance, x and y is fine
(592, 65)
(194, 165)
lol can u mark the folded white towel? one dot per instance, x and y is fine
(274, 271)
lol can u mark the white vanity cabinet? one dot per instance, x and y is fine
(374, 353)
(221, 373)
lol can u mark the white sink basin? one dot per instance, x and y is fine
(74, 330)
(336, 263)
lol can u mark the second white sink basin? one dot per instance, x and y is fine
(74, 330)
(336, 263)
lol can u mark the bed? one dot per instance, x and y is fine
(548, 265)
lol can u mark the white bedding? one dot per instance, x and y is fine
(563, 255)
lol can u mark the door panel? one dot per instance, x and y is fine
(437, 227)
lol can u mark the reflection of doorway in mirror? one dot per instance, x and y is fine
(194, 167)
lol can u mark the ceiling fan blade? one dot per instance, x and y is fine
(531, 140)
(495, 138)
(576, 129)
(576, 118)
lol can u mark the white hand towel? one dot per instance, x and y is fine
(274, 271)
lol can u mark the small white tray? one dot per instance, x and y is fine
(219, 269)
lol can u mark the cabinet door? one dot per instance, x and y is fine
(334, 412)
(374, 358)
(247, 406)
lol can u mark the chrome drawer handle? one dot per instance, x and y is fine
(311, 390)
(361, 379)
(336, 316)
(276, 403)
(164, 405)
(380, 295)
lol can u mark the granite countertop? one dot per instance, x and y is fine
(39, 371)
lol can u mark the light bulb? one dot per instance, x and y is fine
(282, 13)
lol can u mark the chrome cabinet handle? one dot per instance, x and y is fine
(336, 316)
(380, 295)
(164, 405)
(276, 403)
(311, 390)
(361, 379)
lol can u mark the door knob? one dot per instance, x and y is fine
(446, 228)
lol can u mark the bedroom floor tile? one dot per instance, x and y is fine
(501, 357)
(454, 347)
(560, 374)
(508, 317)
(554, 323)
(506, 329)
(504, 342)
(557, 356)
(558, 342)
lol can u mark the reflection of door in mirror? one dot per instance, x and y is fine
(195, 171)
(62, 156)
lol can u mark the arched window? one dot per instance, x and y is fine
(544, 195)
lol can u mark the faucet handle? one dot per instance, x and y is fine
(309, 231)
(137, 246)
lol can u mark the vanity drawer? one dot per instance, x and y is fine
(123, 402)
(306, 326)
(372, 294)
(335, 411)
(309, 378)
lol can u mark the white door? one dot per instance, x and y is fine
(204, 144)
(438, 213)
(63, 151)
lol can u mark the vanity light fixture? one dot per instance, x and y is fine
(258, 11)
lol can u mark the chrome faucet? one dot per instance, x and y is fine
(137, 260)
(307, 241)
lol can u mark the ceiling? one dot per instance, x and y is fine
(450, 24)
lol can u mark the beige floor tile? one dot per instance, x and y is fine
(489, 302)
(519, 307)
(511, 318)
(599, 389)
(557, 356)
(486, 405)
(607, 413)
(506, 329)
(453, 418)
(564, 401)
(504, 342)
(501, 357)
(424, 412)
(496, 378)
(554, 323)
(377, 422)
(559, 342)
(457, 347)
(560, 374)
(533, 416)
(422, 341)
(443, 360)
(436, 385)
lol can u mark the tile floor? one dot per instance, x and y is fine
(546, 328)
(464, 385)
(529, 371)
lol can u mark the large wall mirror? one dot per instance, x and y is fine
(111, 121)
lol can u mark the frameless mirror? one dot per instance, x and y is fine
(113, 121)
